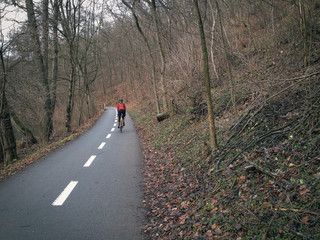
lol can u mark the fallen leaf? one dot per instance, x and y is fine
(288, 199)
(209, 233)
(304, 192)
(241, 179)
(218, 230)
(265, 205)
(185, 204)
(303, 186)
(225, 211)
(287, 160)
(305, 220)
(238, 226)
(214, 201)
(183, 219)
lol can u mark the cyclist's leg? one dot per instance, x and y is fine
(119, 115)
(123, 114)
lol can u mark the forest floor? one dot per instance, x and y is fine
(263, 182)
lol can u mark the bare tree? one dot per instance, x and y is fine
(42, 60)
(162, 53)
(87, 61)
(70, 21)
(133, 11)
(213, 138)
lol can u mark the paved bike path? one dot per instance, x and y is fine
(98, 185)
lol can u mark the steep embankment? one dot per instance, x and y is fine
(263, 182)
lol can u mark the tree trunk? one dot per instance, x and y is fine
(212, 41)
(42, 62)
(30, 139)
(48, 126)
(1, 151)
(213, 138)
(55, 66)
(7, 138)
(304, 31)
(70, 103)
(162, 57)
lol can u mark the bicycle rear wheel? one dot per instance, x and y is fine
(121, 124)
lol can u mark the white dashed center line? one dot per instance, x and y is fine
(67, 191)
(101, 145)
(65, 194)
(90, 160)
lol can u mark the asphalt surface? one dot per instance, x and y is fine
(100, 197)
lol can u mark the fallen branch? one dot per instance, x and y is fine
(273, 132)
(297, 233)
(269, 226)
(281, 80)
(260, 168)
(283, 90)
(257, 217)
(298, 210)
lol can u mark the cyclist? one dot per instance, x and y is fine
(121, 107)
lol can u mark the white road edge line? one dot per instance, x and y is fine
(65, 194)
(101, 145)
(108, 136)
(90, 160)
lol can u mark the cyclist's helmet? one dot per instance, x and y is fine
(121, 100)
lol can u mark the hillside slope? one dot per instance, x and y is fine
(262, 183)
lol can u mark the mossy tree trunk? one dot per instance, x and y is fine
(21, 128)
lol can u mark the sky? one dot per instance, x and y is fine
(10, 18)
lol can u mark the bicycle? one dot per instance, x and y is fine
(121, 125)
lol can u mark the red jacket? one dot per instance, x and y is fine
(121, 106)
